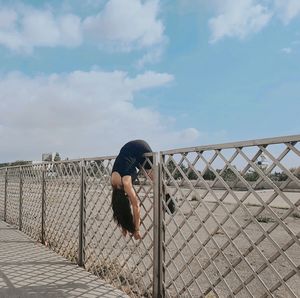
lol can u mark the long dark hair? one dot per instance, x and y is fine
(121, 210)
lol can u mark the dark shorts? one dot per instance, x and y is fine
(131, 157)
(128, 166)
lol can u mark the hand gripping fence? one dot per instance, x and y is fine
(235, 231)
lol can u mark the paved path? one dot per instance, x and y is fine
(30, 270)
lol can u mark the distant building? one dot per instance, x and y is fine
(54, 156)
(263, 162)
(48, 158)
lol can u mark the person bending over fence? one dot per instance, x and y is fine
(124, 197)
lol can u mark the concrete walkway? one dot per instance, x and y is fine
(29, 269)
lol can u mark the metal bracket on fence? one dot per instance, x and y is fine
(82, 215)
(20, 198)
(43, 206)
(5, 195)
(158, 274)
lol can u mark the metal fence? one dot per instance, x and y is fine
(235, 231)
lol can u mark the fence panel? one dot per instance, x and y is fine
(32, 200)
(236, 229)
(125, 263)
(2, 192)
(62, 197)
(13, 195)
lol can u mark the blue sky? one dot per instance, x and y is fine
(83, 77)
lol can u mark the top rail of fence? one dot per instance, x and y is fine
(62, 161)
(249, 143)
(97, 158)
(259, 142)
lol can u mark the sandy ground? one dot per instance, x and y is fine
(30, 270)
(222, 246)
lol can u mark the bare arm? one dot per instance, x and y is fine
(128, 188)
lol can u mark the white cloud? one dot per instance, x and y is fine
(147, 80)
(43, 29)
(286, 50)
(126, 24)
(287, 9)
(25, 28)
(120, 25)
(81, 114)
(241, 18)
(7, 19)
(190, 133)
(238, 19)
(152, 56)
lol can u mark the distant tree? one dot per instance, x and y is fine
(189, 172)
(228, 175)
(173, 169)
(209, 175)
(4, 165)
(57, 157)
(16, 163)
(192, 175)
(21, 163)
(278, 176)
(251, 176)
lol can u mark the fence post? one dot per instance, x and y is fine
(20, 198)
(43, 206)
(82, 211)
(158, 255)
(5, 195)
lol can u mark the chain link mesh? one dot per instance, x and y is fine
(236, 229)
(13, 195)
(123, 262)
(32, 200)
(2, 192)
(62, 191)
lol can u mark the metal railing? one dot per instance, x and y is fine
(235, 231)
